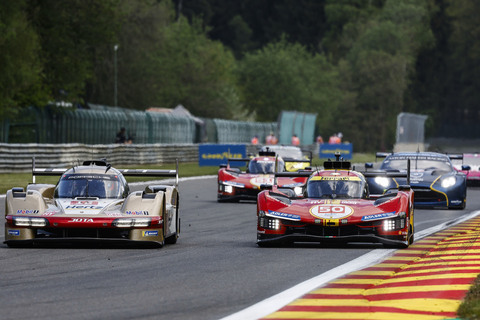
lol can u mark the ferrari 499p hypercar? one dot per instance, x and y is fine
(235, 184)
(91, 203)
(336, 207)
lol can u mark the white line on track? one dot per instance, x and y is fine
(274, 303)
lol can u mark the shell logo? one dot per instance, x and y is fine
(331, 211)
(258, 181)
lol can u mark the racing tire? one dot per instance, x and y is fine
(173, 238)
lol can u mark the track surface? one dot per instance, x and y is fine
(214, 270)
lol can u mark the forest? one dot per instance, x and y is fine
(356, 63)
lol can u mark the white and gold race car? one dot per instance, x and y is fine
(92, 203)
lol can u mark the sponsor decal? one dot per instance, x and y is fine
(48, 213)
(84, 207)
(81, 220)
(113, 214)
(378, 216)
(349, 202)
(13, 232)
(137, 213)
(83, 202)
(258, 181)
(234, 184)
(153, 233)
(283, 215)
(336, 178)
(456, 201)
(20, 211)
(331, 211)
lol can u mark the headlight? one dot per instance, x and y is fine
(382, 181)
(298, 190)
(131, 222)
(29, 222)
(448, 182)
(393, 224)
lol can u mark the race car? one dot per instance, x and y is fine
(235, 184)
(92, 203)
(293, 157)
(470, 166)
(336, 207)
(435, 182)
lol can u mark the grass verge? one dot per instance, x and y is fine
(470, 307)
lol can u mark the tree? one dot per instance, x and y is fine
(20, 81)
(284, 76)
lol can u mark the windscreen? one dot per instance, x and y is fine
(264, 166)
(417, 163)
(82, 185)
(332, 188)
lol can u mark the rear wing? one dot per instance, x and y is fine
(126, 172)
(455, 156)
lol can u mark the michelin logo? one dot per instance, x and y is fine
(150, 233)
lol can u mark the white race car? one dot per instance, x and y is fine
(92, 203)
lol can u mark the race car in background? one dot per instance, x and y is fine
(470, 166)
(92, 202)
(235, 184)
(436, 184)
(336, 207)
(294, 158)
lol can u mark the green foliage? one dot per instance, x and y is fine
(284, 76)
(72, 34)
(20, 80)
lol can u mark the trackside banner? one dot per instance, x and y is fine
(217, 154)
(328, 150)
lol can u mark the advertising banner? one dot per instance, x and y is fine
(328, 150)
(217, 154)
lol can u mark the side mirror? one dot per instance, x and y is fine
(223, 166)
(368, 165)
(466, 167)
(266, 187)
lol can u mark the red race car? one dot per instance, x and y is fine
(336, 206)
(235, 184)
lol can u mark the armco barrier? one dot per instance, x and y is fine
(17, 157)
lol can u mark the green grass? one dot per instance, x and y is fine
(10, 180)
(470, 307)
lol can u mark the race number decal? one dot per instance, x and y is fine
(331, 211)
(258, 181)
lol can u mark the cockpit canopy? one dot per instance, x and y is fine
(264, 166)
(101, 186)
(336, 187)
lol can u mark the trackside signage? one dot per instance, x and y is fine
(328, 150)
(217, 154)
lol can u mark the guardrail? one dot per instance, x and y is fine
(18, 157)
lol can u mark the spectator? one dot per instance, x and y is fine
(295, 140)
(340, 136)
(334, 139)
(254, 140)
(319, 139)
(121, 138)
(271, 139)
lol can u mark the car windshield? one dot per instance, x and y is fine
(264, 166)
(287, 152)
(422, 163)
(332, 188)
(81, 185)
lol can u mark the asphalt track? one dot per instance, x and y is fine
(215, 270)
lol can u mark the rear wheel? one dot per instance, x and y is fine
(173, 238)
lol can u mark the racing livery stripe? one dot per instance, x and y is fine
(426, 281)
